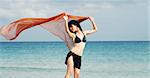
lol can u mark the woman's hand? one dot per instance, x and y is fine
(65, 17)
(91, 18)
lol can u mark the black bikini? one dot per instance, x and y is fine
(76, 58)
(78, 40)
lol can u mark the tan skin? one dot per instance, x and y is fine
(78, 47)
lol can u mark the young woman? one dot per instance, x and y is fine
(73, 58)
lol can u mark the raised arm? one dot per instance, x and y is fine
(87, 32)
(66, 26)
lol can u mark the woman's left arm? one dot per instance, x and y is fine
(87, 32)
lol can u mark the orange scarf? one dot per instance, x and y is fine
(55, 25)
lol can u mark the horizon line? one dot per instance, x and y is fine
(88, 41)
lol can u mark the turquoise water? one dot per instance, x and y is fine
(108, 59)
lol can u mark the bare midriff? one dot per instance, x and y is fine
(78, 48)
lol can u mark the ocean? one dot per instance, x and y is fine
(101, 59)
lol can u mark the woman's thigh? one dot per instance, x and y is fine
(70, 64)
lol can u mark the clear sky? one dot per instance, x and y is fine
(117, 20)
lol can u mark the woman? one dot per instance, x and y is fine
(73, 59)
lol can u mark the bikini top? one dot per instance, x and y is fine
(78, 40)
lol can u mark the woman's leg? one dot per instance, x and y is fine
(70, 67)
(76, 73)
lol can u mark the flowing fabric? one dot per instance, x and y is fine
(55, 25)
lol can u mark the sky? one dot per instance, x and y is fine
(117, 20)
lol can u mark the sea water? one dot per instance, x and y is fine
(103, 59)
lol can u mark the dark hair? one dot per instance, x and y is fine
(74, 22)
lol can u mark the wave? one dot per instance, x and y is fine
(32, 68)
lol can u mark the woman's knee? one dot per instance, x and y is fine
(77, 71)
(70, 72)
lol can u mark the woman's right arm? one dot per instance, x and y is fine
(66, 26)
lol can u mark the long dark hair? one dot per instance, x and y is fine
(74, 22)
